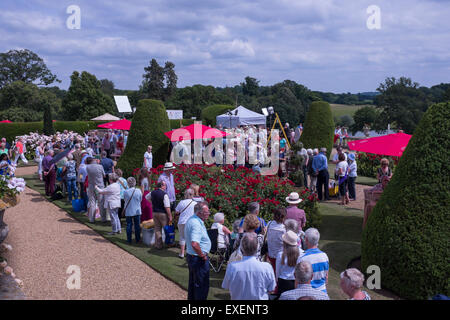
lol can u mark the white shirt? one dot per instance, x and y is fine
(275, 231)
(249, 279)
(353, 169)
(186, 207)
(336, 157)
(148, 160)
(283, 270)
(342, 165)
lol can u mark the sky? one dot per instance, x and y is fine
(326, 45)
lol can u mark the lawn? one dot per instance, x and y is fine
(340, 239)
(338, 110)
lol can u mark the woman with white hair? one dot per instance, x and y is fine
(352, 281)
(185, 209)
(224, 232)
(132, 207)
(112, 202)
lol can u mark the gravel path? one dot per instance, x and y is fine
(46, 241)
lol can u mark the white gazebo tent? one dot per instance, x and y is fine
(240, 117)
(106, 117)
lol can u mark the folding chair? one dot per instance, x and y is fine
(217, 256)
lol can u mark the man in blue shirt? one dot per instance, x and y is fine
(253, 208)
(108, 166)
(320, 166)
(198, 245)
(249, 279)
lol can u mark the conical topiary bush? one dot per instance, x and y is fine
(318, 131)
(148, 125)
(407, 234)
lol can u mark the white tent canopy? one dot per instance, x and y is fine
(106, 117)
(243, 117)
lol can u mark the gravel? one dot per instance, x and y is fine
(46, 240)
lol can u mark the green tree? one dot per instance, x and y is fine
(153, 84)
(401, 102)
(107, 87)
(26, 66)
(21, 115)
(149, 123)
(171, 79)
(362, 116)
(85, 99)
(407, 234)
(318, 131)
(250, 86)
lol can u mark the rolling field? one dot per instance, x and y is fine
(339, 110)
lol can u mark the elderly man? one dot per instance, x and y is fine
(198, 245)
(317, 258)
(303, 288)
(167, 177)
(293, 212)
(107, 164)
(96, 175)
(161, 210)
(249, 279)
(320, 167)
(49, 171)
(253, 208)
(352, 281)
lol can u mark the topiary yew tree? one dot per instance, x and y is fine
(318, 131)
(148, 125)
(407, 234)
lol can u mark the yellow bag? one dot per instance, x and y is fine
(147, 224)
(333, 188)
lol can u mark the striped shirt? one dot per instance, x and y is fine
(320, 266)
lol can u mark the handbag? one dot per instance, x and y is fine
(169, 231)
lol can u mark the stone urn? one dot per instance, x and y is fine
(3, 226)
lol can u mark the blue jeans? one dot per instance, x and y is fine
(72, 186)
(198, 278)
(137, 227)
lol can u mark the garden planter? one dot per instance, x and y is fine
(3, 227)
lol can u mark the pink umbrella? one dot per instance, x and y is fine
(388, 145)
(5, 121)
(194, 131)
(123, 124)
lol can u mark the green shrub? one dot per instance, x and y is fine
(318, 131)
(175, 124)
(210, 113)
(11, 130)
(407, 234)
(149, 123)
(48, 123)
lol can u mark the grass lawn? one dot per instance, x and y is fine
(340, 239)
(359, 180)
(338, 110)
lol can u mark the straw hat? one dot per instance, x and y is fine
(294, 198)
(168, 166)
(290, 238)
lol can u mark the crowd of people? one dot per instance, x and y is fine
(275, 259)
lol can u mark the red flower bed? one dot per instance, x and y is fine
(229, 190)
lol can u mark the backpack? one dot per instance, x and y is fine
(57, 194)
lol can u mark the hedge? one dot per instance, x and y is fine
(149, 123)
(210, 113)
(11, 130)
(407, 234)
(318, 131)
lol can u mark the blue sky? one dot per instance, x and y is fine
(324, 44)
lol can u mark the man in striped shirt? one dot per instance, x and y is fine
(317, 258)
